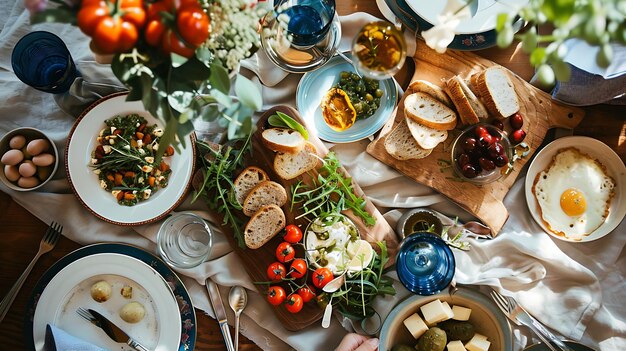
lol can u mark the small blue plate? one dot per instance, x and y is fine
(314, 85)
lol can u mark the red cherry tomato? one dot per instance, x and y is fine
(276, 295)
(306, 293)
(276, 271)
(293, 234)
(285, 252)
(298, 268)
(321, 277)
(294, 303)
(192, 23)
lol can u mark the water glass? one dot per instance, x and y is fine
(424, 263)
(41, 60)
(308, 21)
(184, 240)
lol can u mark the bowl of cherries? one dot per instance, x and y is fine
(480, 153)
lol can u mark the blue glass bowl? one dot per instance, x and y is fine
(425, 264)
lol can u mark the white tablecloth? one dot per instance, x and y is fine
(577, 289)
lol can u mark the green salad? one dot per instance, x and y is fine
(364, 93)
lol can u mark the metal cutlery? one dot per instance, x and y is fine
(519, 316)
(220, 313)
(237, 299)
(47, 243)
(113, 331)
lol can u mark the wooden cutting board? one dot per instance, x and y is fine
(485, 202)
(257, 261)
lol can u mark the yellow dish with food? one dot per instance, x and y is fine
(337, 110)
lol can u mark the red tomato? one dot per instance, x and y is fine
(298, 268)
(192, 23)
(114, 35)
(171, 43)
(321, 277)
(276, 295)
(306, 293)
(285, 252)
(294, 303)
(154, 32)
(276, 271)
(293, 234)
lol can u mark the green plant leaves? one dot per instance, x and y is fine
(219, 78)
(282, 120)
(248, 93)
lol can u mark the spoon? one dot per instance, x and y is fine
(334, 284)
(237, 299)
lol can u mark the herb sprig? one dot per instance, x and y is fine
(331, 192)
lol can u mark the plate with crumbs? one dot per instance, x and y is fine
(613, 167)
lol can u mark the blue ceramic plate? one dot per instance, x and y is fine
(187, 313)
(314, 85)
(486, 318)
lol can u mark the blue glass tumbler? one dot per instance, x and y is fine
(424, 263)
(309, 20)
(41, 60)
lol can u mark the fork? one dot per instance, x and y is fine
(86, 315)
(47, 243)
(519, 316)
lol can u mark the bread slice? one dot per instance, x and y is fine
(429, 112)
(470, 109)
(266, 193)
(426, 137)
(497, 92)
(402, 146)
(289, 166)
(283, 140)
(431, 89)
(264, 224)
(247, 180)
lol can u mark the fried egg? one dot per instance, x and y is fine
(574, 194)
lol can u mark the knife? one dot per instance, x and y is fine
(220, 312)
(114, 332)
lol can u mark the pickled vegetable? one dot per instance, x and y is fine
(458, 330)
(402, 347)
(434, 339)
(337, 110)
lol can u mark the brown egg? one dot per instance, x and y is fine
(27, 169)
(12, 173)
(17, 142)
(37, 146)
(43, 160)
(28, 182)
(44, 172)
(12, 157)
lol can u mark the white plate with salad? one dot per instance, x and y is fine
(128, 189)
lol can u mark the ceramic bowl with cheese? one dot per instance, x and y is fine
(418, 316)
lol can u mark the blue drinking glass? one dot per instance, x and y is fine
(309, 20)
(41, 60)
(424, 263)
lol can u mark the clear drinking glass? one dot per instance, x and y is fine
(308, 21)
(41, 60)
(379, 50)
(184, 240)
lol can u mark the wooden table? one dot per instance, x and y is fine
(20, 231)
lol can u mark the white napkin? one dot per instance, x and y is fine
(59, 340)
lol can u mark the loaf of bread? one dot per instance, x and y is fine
(426, 137)
(402, 146)
(265, 193)
(283, 140)
(289, 166)
(247, 180)
(430, 112)
(470, 109)
(431, 89)
(264, 224)
(497, 92)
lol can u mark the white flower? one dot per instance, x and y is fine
(441, 35)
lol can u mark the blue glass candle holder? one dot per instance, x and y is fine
(308, 20)
(41, 60)
(424, 263)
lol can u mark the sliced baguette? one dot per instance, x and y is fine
(470, 109)
(429, 112)
(264, 224)
(283, 140)
(266, 193)
(497, 92)
(431, 89)
(402, 146)
(289, 166)
(247, 180)
(426, 137)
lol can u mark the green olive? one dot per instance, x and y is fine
(378, 93)
(369, 97)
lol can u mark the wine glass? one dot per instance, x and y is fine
(379, 50)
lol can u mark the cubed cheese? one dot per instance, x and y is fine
(449, 313)
(461, 313)
(434, 312)
(415, 324)
(478, 343)
(456, 345)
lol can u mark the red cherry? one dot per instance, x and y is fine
(463, 160)
(486, 140)
(516, 121)
(469, 144)
(469, 171)
(518, 136)
(498, 124)
(486, 164)
(501, 160)
(481, 131)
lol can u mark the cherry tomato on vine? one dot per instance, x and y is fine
(113, 35)
(298, 268)
(293, 234)
(294, 303)
(306, 293)
(321, 277)
(192, 23)
(276, 295)
(276, 271)
(285, 252)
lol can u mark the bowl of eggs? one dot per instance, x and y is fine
(29, 159)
